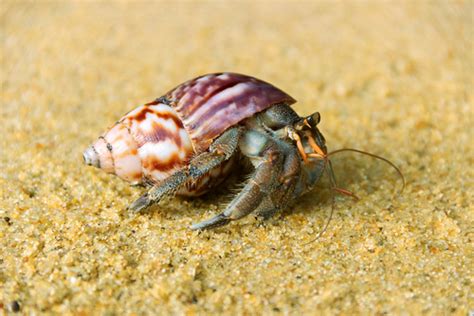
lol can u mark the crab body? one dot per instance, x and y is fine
(190, 139)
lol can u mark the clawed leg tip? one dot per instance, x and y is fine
(140, 205)
(195, 227)
(201, 226)
(135, 208)
(214, 222)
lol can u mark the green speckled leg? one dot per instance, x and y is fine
(265, 155)
(221, 150)
(266, 209)
(283, 194)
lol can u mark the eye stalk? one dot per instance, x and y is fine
(313, 119)
(308, 123)
(305, 132)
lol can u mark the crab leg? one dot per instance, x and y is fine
(283, 194)
(221, 150)
(268, 165)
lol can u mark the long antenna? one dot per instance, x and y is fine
(332, 186)
(318, 153)
(373, 156)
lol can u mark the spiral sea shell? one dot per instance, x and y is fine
(154, 140)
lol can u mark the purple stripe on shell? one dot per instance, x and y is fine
(210, 104)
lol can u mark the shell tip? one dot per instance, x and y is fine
(91, 157)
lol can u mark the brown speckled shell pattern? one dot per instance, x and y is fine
(147, 145)
(154, 140)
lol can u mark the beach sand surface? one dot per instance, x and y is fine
(392, 78)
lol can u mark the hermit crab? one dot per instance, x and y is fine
(189, 140)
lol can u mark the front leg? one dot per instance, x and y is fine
(283, 193)
(221, 150)
(265, 154)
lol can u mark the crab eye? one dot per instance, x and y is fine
(314, 119)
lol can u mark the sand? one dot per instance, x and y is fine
(395, 79)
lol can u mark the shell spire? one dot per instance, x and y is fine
(146, 145)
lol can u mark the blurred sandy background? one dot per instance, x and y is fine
(394, 78)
